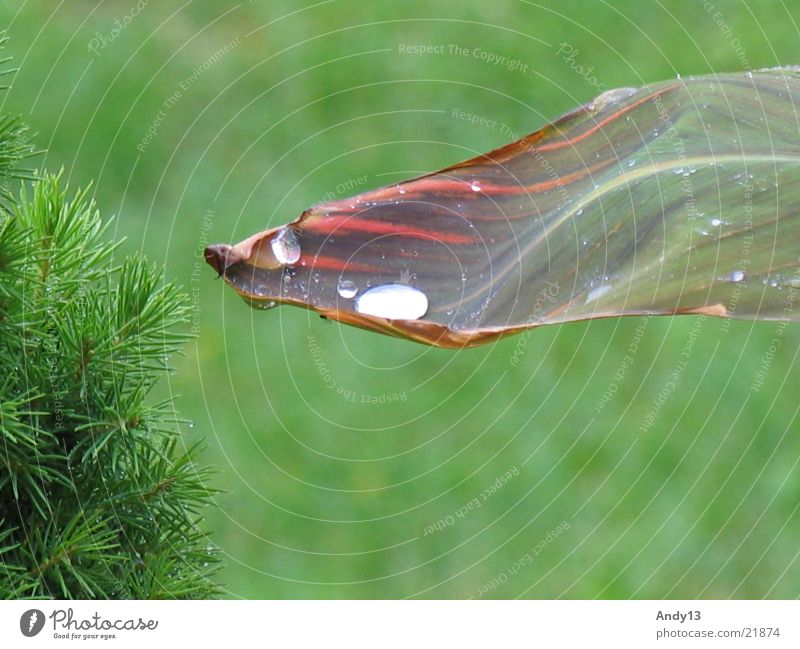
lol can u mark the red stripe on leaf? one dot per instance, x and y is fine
(336, 223)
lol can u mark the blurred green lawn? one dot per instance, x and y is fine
(351, 485)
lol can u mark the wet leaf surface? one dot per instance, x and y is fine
(674, 198)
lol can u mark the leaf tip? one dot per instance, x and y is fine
(218, 257)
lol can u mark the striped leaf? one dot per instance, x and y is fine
(673, 198)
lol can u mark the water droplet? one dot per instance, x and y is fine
(631, 163)
(790, 282)
(347, 289)
(716, 223)
(611, 97)
(264, 306)
(597, 293)
(393, 301)
(475, 186)
(737, 276)
(285, 246)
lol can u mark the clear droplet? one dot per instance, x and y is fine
(347, 289)
(611, 97)
(285, 246)
(264, 306)
(716, 223)
(475, 186)
(737, 276)
(597, 293)
(393, 301)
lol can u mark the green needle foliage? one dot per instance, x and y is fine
(98, 497)
(14, 144)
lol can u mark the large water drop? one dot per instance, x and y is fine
(393, 301)
(285, 246)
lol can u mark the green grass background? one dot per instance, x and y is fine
(329, 491)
